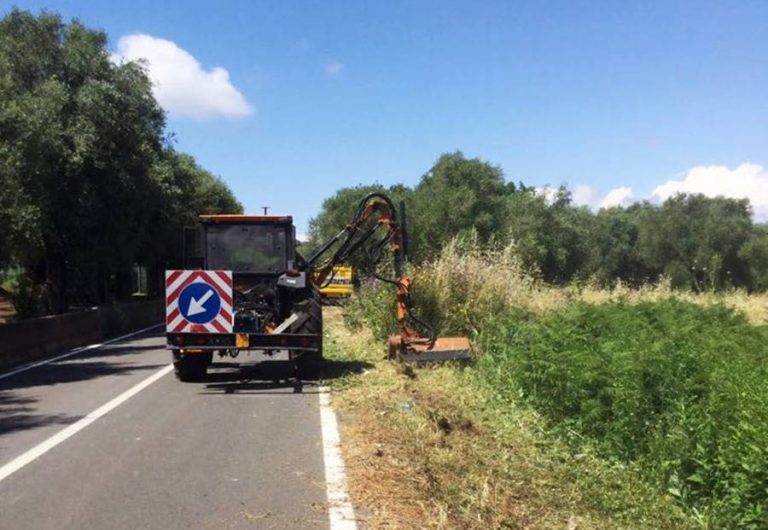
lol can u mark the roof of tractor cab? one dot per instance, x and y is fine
(245, 218)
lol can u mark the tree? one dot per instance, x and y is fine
(696, 240)
(551, 236)
(337, 212)
(90, 184)
(755, 256)
(79, 136)
(454, 197)
(614, 237)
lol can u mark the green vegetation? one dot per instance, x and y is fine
(679, 389)
(670, 387)
(695, 242)
(91, 184)
(438, 446)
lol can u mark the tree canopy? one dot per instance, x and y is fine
(695, 241)
(91, 183)
(454, 197)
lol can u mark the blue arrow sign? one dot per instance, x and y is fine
(199, 303)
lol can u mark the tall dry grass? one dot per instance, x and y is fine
(469, 284)
(574, 332)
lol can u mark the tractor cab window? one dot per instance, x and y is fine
(247, 248)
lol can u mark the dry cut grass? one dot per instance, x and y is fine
(424, 449)
(435, 449)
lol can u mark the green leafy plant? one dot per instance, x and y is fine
(672, 385)
(679, 388)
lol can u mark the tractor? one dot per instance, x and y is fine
(245, 287)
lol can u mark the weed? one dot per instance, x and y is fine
(678, 389)
(668, 387)
(441, 452)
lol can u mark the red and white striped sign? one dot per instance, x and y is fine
(177, 281)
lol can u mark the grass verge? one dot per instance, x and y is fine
(435, 448)
(647, 407)
(678, 390)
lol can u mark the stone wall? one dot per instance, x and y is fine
(36, 338)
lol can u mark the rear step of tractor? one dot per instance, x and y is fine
(442, 349)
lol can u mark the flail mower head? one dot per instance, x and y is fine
(424, 350)
(409, 346)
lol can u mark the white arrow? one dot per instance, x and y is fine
(196, 306)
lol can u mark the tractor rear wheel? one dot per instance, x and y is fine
(310, 311)
(190, 367)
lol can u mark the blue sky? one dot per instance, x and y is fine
(603, 96)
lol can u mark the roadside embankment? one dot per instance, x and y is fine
(431, 448)
(29, 340)
(626, 408)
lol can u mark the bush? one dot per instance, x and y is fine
(681, 389)
(26, 296)
(373, 307)
(673, 383)
(465, 287)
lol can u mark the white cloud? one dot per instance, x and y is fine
(585, 196)
(617, 197)
(747, 181)
(595, 199)
(333, 69)
(180, 83)
(549, 193)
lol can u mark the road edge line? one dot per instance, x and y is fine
(341, 514)
(75, 351)
(43, 447)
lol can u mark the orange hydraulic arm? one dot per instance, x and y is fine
(376, 213)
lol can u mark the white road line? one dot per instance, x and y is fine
(43, 447)
(341, 515)
(70, 353)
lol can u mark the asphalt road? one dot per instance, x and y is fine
(241, 450)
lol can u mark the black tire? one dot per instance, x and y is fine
(191, 367)
(309, 362)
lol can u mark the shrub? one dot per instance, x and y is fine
(679, 388)
(26, 296)
(673, 382)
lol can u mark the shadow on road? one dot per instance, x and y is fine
(275, 377)
(19, 408)
(72, 371)
(17, 413)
